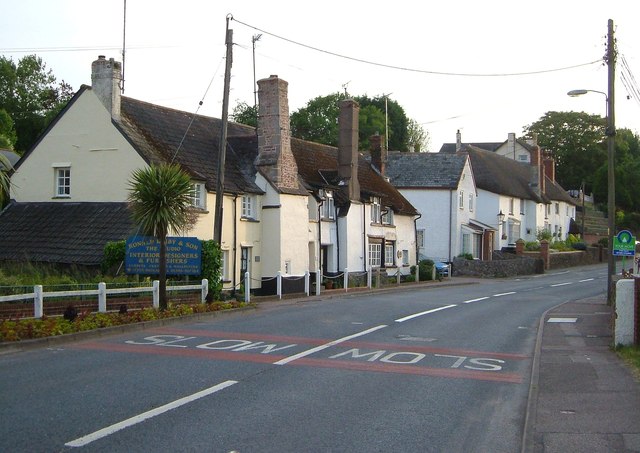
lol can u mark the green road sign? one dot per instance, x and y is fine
(624, 244)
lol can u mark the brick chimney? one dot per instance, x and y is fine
(458, 140)
(106, 76)
(275, 158)
(549, 165)
(378, 152)
(537, 171)
(348, 146)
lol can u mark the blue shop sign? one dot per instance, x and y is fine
(142, 256)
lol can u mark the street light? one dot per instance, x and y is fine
(611, 187)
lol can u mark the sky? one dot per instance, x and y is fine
(450, 65)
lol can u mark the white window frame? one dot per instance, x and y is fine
(387, 217)
(197, 195)
(375, 253)
(511, 205)
(389, 253)
(405, 257)
(248, 206)
(471, 202)
(522, 206)
(62, 182)
(557, 208)
(375, 210)
(327, 211)
(461, 200)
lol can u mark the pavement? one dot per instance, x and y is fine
(583, 397)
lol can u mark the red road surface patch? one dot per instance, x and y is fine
(198, 344)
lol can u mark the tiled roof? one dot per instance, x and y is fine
(318, 164)
(451, 147)
(501, 175)
(160, 134)
(425, 170)
(68, 233)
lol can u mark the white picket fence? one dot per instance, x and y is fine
(38, 295)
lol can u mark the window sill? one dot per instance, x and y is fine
(61, 197)
(249, 219)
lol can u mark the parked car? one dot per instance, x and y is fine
(442, 269)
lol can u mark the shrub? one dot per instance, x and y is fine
(532, 246)
(24, 329)
(543, 234)
(466, 256)
(212, 267)
(426, 270)
(579, 246)
(114, 254)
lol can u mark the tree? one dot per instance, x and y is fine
(627, 169)
(577, 142)
(398, 121)
(8, 135)
(417, 138)
(244, 113)
(31, 95)
(318, 121)
(160, 203)
(5, 182)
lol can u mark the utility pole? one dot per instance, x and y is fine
(222, 147)
(611, 132)
(254, 39)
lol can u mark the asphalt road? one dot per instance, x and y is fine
(439, 369)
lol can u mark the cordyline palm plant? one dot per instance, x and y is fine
(160, 203)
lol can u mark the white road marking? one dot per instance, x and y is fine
(406, 318)
(562, 320)
(82, 441)
(587, 280)
(327, 345)
(561, 284)
(475, 300)
(504, 294)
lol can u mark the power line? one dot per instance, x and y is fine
(74, 49)
(422, 71)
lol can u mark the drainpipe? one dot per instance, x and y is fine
(364, 237)
(319, 238)
(337, 239)
(450, 219)
(235, 241)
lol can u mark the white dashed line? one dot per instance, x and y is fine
(587, 280)
(327, 345)
(561, 284)
(504, 294)
(475, 300)
(82, 441)
(406, 318)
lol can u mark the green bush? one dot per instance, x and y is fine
(466, 256)
(212, 268)
(426, 270)
(579, 246)
(543, 234)
(532, 246)
(114, 254)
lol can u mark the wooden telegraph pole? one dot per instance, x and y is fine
(222, 148)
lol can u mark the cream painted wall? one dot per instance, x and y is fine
(101, 160)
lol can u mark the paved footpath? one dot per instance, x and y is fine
(583, 397)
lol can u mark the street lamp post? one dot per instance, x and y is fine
(610, 58)
(611, 190)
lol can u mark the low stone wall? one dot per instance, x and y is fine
(502, 265)
(506, 264)
(560, 260)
